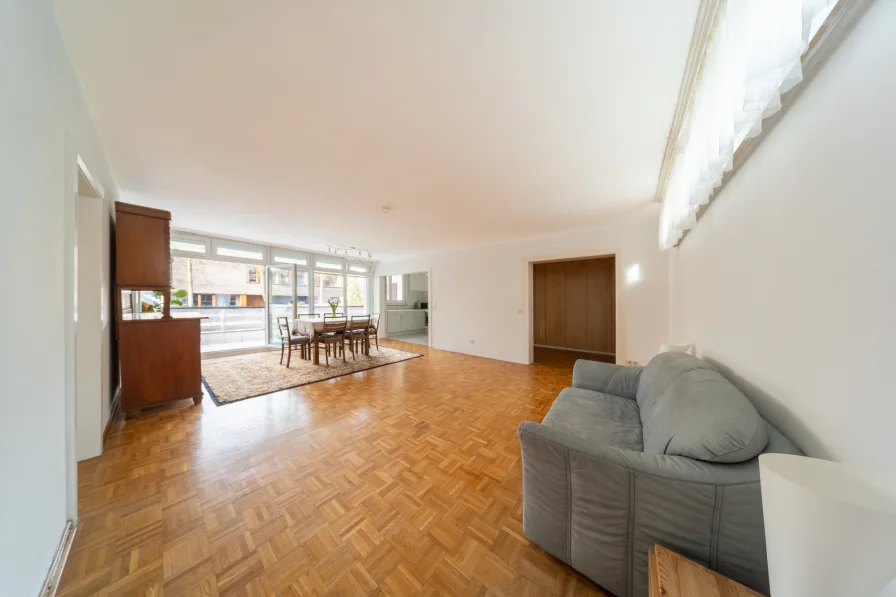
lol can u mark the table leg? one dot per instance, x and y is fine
(367, 344)
(316, 360)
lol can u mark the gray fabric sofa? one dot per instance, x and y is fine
(631, 456)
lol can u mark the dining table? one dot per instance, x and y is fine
(313, 327)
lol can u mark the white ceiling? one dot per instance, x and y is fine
(294, 122)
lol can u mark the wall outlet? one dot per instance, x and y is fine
(631, 363)
(472, 341)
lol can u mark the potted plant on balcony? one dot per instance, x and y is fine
(176, 297)
(334, 301)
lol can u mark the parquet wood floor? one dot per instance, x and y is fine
(402, 480)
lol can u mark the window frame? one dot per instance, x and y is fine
(290, 257)
(192, 239)
(320, 259)
(404, 290)
(269, 255)
(238, 246)
(367, 267)
(367, 295)
(312, 298)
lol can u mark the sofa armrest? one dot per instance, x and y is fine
(600, 508)
(605, 377)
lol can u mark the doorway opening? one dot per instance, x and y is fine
(574, 309)
(407, 308)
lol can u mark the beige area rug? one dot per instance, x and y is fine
(230, 379)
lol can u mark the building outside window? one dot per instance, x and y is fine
(245, 287)
(327, 286)
(230, 294)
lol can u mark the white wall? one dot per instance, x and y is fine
(89, 422)
(483, 295)
(45, 125)
(789, 281)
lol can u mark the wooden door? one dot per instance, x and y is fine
(574, 304)
(555, 304)
(575, 291)
(601, 304)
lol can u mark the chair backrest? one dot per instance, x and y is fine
(333, 316)
(375, 321)
(359, 322)
(283, 324)
(308, 315)
(334, 324)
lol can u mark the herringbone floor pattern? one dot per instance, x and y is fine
(403, 480)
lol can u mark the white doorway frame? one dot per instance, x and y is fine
(78, 181)
(384, 304)
(528, 277)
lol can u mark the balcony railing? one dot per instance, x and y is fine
(229, 328)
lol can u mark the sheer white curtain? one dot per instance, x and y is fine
(752, 57)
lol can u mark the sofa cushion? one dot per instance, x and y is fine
(689, 409)
(594, 416)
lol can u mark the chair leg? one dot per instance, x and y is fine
(288, 355)
(281, 353)
(376, 338)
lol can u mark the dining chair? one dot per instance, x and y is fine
(308, 315)
(373, 330)
(288, 341)
(333, 335)
(357, 332)
(333, 316)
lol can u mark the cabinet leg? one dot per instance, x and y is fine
(197, 399)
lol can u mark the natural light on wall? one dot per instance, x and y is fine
(753, 55)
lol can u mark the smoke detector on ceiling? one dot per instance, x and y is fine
(386, 209)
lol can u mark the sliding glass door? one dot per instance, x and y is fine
(281, 298)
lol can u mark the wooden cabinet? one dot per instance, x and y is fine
(142, 247)
(158, 354)
(574, 304)
(160, 361)
(393, 322)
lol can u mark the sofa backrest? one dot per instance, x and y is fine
(689, 409)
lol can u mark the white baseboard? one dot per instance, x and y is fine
(54, 574)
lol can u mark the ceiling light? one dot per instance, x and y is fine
(386, 209)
